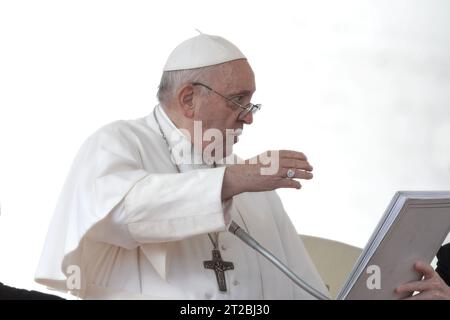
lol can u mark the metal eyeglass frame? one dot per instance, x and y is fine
(249, 107)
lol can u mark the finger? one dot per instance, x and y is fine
(292, 154)
(299, 174)
(288, 183)
(295, 163)
(425, 269)
(415, 286)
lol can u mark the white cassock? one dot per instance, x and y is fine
(137, 228)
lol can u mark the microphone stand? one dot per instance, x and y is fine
(245, 237)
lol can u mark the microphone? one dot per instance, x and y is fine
(245, 237)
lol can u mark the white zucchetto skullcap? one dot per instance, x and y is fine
(202, 51)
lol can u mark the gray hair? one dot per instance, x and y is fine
(171, 81)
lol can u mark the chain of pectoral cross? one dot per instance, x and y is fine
(217, 264)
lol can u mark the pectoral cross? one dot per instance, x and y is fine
(219, 266)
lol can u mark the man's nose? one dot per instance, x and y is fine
(248, 119)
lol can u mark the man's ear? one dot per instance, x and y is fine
(186, 100)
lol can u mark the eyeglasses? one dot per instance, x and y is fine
(249, 107)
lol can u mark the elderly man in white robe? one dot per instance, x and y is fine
(135, 222)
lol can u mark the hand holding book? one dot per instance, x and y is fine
(431, 287)
(394, 263)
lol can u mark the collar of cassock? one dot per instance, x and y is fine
(179, 144)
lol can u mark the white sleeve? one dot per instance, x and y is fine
(112, 230)
(166, 207)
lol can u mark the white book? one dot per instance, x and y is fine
(413, 228)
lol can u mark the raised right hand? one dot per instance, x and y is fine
(252, 176)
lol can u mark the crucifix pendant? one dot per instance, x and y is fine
(219, 266)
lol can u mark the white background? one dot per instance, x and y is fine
(362, 87)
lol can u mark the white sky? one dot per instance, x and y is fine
(362, 87)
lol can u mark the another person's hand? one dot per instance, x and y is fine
(258, 174)
(432, 287)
